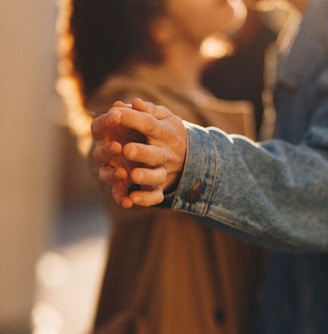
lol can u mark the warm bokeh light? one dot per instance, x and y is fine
(68, 280)
(53, 270)
(216, 47)
(46, 319)
(77, 120)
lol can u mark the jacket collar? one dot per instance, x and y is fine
(298, 41)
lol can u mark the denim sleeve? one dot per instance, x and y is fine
(273, 194)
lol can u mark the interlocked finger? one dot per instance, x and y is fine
(146, 154)
(145, 176)
(148, 197)
(159, 112)
(102, 154)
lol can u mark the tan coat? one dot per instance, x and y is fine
(166, 273)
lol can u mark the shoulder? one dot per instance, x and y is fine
(124, 87)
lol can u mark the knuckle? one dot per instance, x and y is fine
(163, 174)
(151, 124)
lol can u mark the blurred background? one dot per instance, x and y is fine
(53, 230)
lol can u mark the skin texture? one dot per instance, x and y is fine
(165, 157)
(155, 166)
(204, 17)
(179, 36)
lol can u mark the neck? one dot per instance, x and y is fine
(184, 65)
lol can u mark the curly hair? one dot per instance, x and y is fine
(97, 38)
(107, 34)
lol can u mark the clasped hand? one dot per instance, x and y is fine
(141, 150)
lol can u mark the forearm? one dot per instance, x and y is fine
(274, 194)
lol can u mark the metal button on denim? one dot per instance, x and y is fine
(193, 194)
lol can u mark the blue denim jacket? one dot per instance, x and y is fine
(275, 193)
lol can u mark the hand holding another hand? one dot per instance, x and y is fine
(140, 144)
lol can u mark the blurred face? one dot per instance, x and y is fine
(196, 19)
